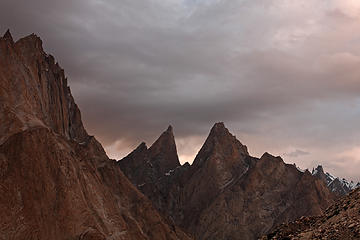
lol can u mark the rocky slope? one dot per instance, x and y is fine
(56, 181)
(340, 221)
(227, 194)
(338, 186)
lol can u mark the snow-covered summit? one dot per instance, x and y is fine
(335, 184)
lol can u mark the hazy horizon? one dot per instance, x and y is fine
(284, 76)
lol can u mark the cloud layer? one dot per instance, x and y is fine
(283, 75)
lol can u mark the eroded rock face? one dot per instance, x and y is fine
(227, 194)
(34, 91)
(56, 181)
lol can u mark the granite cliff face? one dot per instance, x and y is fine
(227, 194)
(56, 181)
(34, 91)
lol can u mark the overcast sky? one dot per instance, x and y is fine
(284, 75)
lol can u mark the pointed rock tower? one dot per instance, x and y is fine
(147, 165)
(156, 172)
(163, 154)
(319, 173)
(222, 157)
(221, 161)
(8, 37)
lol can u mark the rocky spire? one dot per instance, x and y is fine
(319, 173)
(145, 165)
(220, 142)
(163, 153)
(221, 161)
(7, 36)
(169, 129)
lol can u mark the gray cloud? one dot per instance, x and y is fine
(283, 75)
(297, 153)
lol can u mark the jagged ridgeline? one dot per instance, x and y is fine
(225, 193)
(56, 181)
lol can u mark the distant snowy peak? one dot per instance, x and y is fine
(335, 184)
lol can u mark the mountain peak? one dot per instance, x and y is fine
(166, 138)
(7, 36)
(219, 129)
(148, 164)
(163, 152)
(219, 125)
(220, 142)
(142, 146)
(220, 160)
(169, 129)
(319, 169)
(335, 184)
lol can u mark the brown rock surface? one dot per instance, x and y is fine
(34, 91)
(227, 194)
(56, 181)
(268, 194)
(341, 221)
